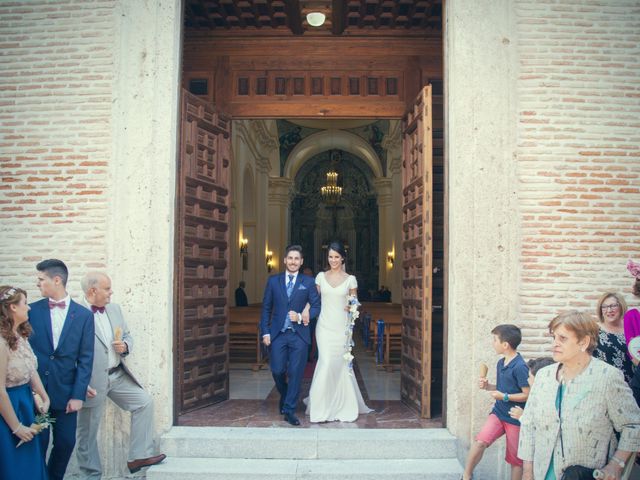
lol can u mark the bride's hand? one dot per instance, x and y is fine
(305, 315)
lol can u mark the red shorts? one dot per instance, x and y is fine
(493, 429)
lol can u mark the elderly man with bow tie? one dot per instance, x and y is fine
(62, 340)
(111, 378)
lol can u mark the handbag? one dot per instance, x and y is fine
(577, 472)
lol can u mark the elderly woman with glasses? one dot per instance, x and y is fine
(612, 346)
(574, 407)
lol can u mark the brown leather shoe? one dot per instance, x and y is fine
(136, 465)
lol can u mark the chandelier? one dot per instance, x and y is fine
(331, 192)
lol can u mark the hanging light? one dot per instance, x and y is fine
(331, 192)
(316, 19)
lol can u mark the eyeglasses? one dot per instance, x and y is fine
(613, 306)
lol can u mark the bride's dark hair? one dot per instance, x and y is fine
(337, 246)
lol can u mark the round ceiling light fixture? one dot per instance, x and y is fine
(315, 19)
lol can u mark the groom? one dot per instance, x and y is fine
(62, 340)
(281, 327)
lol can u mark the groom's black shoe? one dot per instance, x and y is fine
(292, 419)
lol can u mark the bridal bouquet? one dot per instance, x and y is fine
(352, 315)
(41, 422)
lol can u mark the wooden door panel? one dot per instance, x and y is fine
(202, 271)
(417, 256)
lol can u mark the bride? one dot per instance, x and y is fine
(334, 393)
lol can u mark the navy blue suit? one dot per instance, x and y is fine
(288, 355)
(65, 373)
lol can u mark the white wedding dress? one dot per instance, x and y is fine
(334, 393)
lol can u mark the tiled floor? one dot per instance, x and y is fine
(254, 401)
(245, 384)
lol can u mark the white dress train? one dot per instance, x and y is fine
(334, 393)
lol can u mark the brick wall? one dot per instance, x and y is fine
(55, 135)
(578, 155)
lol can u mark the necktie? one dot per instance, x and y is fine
(290, 286)
(95, 309)
(287, 320)
(53, 304)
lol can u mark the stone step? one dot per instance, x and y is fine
(330, 469)
(308, 443)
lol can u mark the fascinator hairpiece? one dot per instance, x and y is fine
(634, 269)
(7, 294)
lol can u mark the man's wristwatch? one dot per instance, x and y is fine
(506, 397)
(618, 462)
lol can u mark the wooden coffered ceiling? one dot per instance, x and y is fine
(421, 18)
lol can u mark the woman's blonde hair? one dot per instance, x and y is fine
(581, 324)
(619, 298)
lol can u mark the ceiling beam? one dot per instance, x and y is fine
(337, 17)
(292, 10)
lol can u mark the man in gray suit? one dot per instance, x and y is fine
(111, 378)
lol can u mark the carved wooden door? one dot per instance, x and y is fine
(202, 249)
(417, 256)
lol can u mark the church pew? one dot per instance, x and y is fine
(392, 343)
(245, 344)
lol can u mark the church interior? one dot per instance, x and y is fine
(316, 117)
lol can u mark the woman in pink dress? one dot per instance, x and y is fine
(632, 327)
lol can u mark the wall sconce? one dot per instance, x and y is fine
(244, 253)
(390, 258)
(269, 259)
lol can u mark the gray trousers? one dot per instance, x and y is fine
(127, 395)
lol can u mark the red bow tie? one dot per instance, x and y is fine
(53, 304)
(95, 309)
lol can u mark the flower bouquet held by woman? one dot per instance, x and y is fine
(42, 421)
(352, 316)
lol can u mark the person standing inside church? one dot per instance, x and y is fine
(62, 340)
(286, 295)
(112, 378)
(241, 296)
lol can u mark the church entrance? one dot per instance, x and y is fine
(254, 158)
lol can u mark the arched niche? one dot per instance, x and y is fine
(329, 140)
(353, 220)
